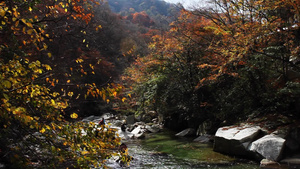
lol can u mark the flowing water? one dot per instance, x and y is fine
(163, 150)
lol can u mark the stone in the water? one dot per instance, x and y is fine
(269, 146)
(138, 132)
(153, 128)
(203, 139)
(187, 132)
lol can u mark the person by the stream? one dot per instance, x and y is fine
(123, 127)
(127, 158)
(102, 122)
(123, 148)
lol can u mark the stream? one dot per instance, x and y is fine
(164, 150)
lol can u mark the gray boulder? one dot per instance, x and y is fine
(269, 146)
(234, 140)
(187, 132)
(90, 118)
(153, 128)
(203, 138)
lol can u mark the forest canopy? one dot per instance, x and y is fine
(224, 63)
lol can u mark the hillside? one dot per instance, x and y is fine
(152, 7)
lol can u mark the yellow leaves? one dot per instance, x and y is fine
(45, 46)
(30, 9)
(19, 110)
(52, 102)
(42, 130)
(70, 94)
(79, 60)
(16, 23)
(3, 9)
(47, 67)
(74, 116)
(84, 152)
(2, 12)
(98, 27)
(27, 23)
(91, 66)
(29, 31)
(47, 127)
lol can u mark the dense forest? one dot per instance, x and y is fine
(62, 60)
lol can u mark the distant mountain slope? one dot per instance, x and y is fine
(151, 7)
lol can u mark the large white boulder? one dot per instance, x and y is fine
(234, 140)
(269, 146)
(139, 132)
(125, 135)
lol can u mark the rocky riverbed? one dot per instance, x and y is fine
(253, 141)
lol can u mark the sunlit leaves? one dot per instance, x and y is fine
(74, 116)
(42, 130)
(79, 60)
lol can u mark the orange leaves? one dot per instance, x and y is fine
(141, 18)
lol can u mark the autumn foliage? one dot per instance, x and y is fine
(35, 93)
(227, 61)
(140, 18)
